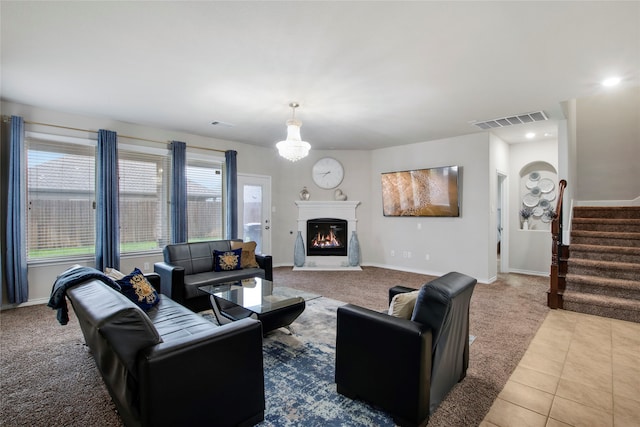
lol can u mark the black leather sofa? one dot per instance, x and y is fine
(406, 366)
(169, 366)
(188, 266)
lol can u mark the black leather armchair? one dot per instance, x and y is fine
(407, 367)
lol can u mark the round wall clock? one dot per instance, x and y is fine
(327, 173)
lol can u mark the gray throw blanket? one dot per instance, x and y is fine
(58, 300)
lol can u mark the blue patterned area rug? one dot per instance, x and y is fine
(299, 367)
(299, 375)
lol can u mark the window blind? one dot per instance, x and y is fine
(60, 198)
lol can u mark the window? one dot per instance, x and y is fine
(143, 207)
(204, 197)
(60, 197)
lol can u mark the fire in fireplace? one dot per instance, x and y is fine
(327, 236)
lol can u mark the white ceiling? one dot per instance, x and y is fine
(367, 74)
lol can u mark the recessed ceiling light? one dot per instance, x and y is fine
(611, 81)
(530, 135)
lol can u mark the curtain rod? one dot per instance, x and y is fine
(122, 136)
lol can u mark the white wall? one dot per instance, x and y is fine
(608, 146)
(290, 178)
(452, 244)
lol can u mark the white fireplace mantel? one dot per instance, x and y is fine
(326, 209)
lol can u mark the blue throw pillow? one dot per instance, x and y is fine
(137, 288)
(227, 260)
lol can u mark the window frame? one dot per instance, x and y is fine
(203, 158)
(68, 145)
(162, 157)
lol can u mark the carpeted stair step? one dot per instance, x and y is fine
(603, 267)
(606, 224)
(604, 286)
(622, 212)
(605, 306)
(605, 238)
(605, 253)
(606, 269)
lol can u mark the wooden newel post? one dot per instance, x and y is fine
(554, 298)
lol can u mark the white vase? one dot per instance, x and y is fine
(525, 224)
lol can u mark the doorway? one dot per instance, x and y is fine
(254, 210)
(501, 221)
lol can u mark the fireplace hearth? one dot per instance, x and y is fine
(327, 237)
(332, 239)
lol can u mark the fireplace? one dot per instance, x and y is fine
(342, 211)
(326, 237)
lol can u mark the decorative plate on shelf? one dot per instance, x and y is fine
(550, 196)
(538, 211)
(546, 217)
(530, 200)
(534, 176)
(544, 204)
(546, 185)
(530, 184)
(536, 191)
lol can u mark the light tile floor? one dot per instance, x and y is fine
(579, 370)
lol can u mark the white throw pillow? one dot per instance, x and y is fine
(114, 274)
(402, 304)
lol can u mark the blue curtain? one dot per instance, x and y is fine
(107, 218)
(231, 182)
(179, 192)
(16, 265)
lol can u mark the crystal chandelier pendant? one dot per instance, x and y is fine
(293, 148)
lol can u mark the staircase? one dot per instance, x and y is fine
(603, 269)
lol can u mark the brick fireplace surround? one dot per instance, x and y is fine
(327, 209)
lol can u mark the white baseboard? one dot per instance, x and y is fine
(632, 202)
(529, 272)
(35, 301)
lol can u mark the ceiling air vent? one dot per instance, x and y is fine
(536, 116)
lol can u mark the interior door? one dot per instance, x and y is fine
(254, 210)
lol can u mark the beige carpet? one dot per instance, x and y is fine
(48, 378)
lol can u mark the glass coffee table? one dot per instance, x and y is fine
(275, 307)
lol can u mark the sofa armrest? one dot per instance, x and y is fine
(154, 280)
(399, 290)
(171, 280)
(266, 263)
(397, 350)
(210, 378)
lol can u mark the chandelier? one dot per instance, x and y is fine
(293, 148)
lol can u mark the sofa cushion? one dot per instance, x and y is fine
(402, 304)
(227, 260)
(174, 321)
(137, 288)
(248, 259)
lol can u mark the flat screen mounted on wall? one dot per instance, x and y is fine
(421, 192)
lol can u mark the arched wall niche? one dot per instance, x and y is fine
(538, 192)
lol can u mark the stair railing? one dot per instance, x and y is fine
(558, 251)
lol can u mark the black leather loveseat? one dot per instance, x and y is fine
(168, 366)
(188, 266)
(407, 366)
